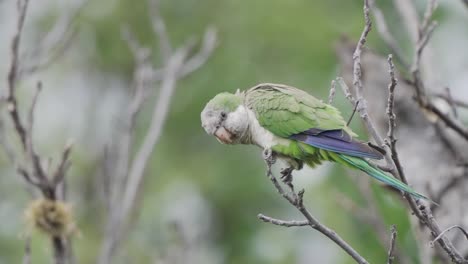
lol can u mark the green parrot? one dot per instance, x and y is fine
(295, 126)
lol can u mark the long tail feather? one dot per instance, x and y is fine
(380, 175)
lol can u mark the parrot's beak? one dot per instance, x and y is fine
(223, 135)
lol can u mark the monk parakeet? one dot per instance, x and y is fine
(295, 126)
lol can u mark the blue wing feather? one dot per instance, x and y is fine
(339, 141)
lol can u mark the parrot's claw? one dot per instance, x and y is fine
(286, 175)
(269, 156)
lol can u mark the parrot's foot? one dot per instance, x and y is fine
(286, 175)
(269, 156)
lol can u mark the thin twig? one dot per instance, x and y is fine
(451, 102)
(352, 113)
(443, 241)
(54, 44)
(63, 166)
(430, 8)
(279, 222)
(159, 27)
(30, 120)
(453, 182)
(448, 229)
(38, 171)
(208, 46)
(28, 178)
(390, 254)
(346, 91)
(390, 104)
(53, 55)
(12, 105)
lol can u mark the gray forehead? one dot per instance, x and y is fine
(210, 119)
(209, 113)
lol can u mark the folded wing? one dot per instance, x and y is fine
(339, 141)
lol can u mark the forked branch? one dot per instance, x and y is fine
(296, 199)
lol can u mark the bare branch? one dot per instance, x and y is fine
(426, 30)
(38, 171)
(448, 229)
(27, 177)
(390, 254)
(63, 166)
(424, 214)
(420, 45)
(54, 44)
(208, 45)
(451, 102)
(52, 56)
(120, 213)
(12, 104)
(444, 242)
(357, 78)
(352, 113)
(30, 120)
(430, 8)
(279, 222)
(159, 28)
(391, 141)
(195, 62)
(34, 174)
(159, 116)
(296, 200)
(346, 90)
(449, 122)
(142, 81)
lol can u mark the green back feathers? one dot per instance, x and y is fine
(225, 101)
(286, 111)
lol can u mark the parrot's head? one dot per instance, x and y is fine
(226, 118)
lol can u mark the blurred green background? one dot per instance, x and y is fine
(196, 189)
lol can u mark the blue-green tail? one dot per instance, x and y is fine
(380, 175)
